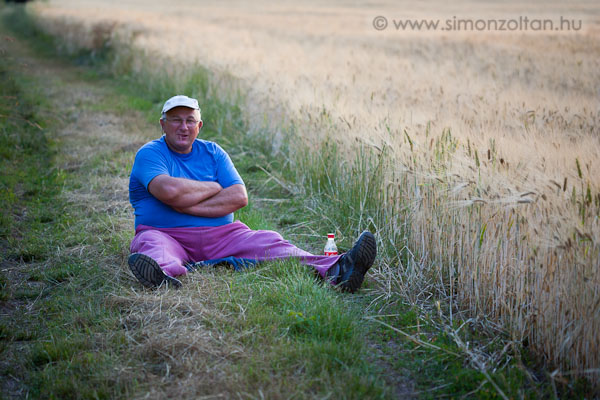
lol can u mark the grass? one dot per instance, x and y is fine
(57, 298)
(306, 336)
(273, 332)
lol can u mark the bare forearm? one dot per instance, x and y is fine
(226, 201)
(181, 192)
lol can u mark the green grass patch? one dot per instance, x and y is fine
(442, 367)
(307, 335)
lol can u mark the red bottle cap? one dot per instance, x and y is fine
(331, 235)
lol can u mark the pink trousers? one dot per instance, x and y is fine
(173, 247)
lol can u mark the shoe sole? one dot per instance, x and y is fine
(365, 256)
(148, 272)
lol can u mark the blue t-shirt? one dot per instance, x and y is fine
(206, 162)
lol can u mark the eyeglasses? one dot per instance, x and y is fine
(190, 122)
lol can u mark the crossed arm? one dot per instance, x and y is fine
(200, 198)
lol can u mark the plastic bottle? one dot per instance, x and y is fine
(330, 247)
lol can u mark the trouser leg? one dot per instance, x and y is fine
(163, 248)
(237, 240)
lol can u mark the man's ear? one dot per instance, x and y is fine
(162, 124)
(200, 124)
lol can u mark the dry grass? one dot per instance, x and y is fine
(498, 134)
(186, 346)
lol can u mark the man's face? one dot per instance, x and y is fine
(181, 128)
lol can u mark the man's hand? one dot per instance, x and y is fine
(181, 192)
(226, 201)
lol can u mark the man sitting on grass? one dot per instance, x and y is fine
(184, 191)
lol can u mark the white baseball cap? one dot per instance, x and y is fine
(180, 101)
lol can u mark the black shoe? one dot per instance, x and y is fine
(148, 272)
(355, 263)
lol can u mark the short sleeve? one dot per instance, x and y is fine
(227, 175)
(148, 164)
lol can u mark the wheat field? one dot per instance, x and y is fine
(498, 133)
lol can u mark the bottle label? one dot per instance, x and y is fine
(331, 253)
